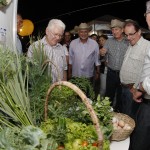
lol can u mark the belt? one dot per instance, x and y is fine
(130, 85)
(115, 71)
(146, 101)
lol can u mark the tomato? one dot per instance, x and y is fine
(85, 143)
(95, 144)
(60, 148)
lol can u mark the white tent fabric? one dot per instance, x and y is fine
(103, 24)
(97, 26)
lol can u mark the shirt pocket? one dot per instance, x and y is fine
(136, 62)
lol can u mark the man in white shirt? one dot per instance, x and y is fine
(139, 139)
(132, 66)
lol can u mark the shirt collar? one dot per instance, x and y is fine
(44, 41)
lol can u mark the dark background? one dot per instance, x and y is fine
(74, 12)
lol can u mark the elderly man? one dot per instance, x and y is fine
(53, 50)
(139, 139)
(114, 49)
(84, 55)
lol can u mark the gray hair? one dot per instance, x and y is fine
(56, 23)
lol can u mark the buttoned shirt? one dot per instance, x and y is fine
(135, 62)
(145, 77)
(56, 54)
(146, 85)
(66, 50)
(83, 56)
(115, 52)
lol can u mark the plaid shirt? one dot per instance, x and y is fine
(115, 52)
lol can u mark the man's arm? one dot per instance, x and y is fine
(65, 75)
(70, 71)
(97, 73)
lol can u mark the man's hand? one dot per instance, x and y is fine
(137, 95)
(103, 51)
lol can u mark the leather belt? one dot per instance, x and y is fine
(146, 101)
(130, 85)
(115, 71)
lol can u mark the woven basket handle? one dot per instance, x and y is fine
(84, 100)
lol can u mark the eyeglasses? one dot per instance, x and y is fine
(130, 34)
(56, 35)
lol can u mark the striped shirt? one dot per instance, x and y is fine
(83, 57)
(56, 54)
(115, 52)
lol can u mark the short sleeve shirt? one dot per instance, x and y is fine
(55, 54)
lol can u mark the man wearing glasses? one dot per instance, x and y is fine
(139, 139)
(52, 49)
(132, 66)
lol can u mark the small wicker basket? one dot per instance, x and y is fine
(122, 134)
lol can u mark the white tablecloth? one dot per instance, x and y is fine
(121, 145)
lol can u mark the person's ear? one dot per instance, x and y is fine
(139, 32)
(46, 31)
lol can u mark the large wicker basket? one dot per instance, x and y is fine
(122, 134)
(84, 100)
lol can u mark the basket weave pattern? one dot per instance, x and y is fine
(122, 134)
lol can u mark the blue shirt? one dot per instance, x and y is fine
(83, 57)
(19, 45)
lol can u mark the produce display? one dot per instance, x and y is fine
(23, 92)
(78, 113)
